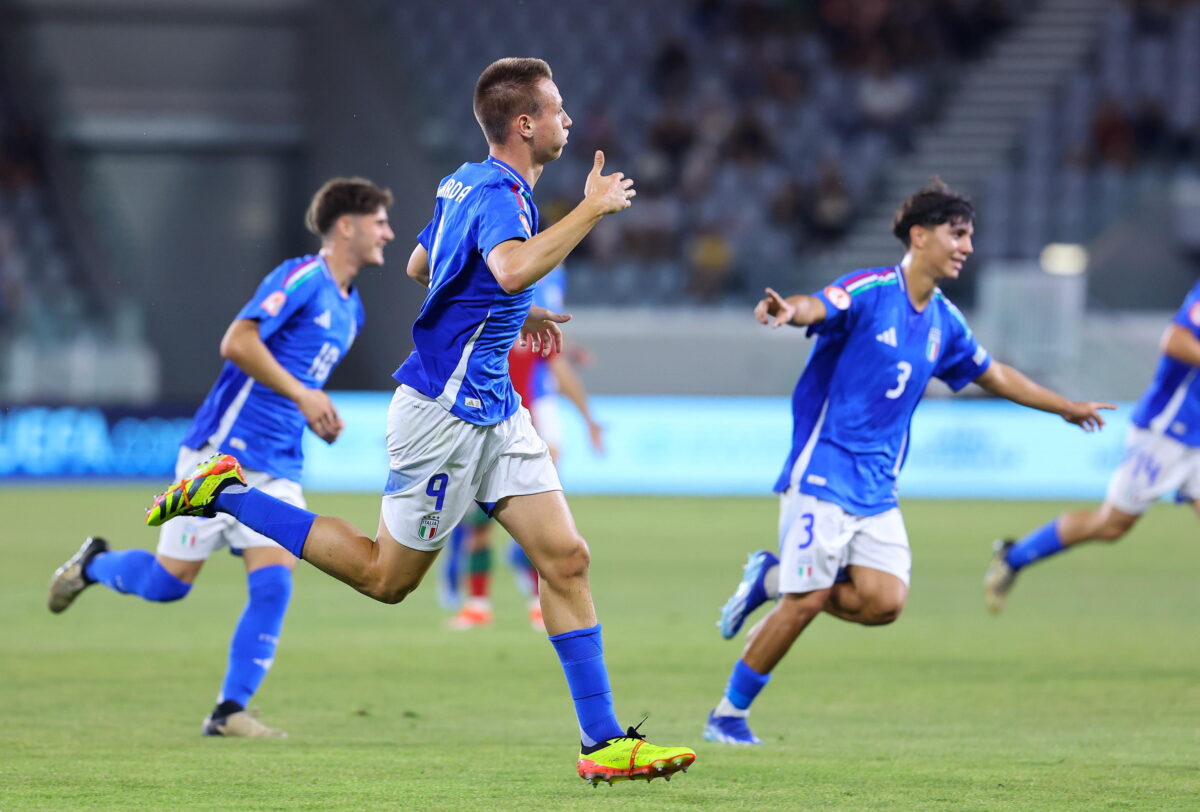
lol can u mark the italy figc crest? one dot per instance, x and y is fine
(429, 526)
(933, 344)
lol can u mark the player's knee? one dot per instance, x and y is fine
(161, 586)
(389, 589)
(1114, 528)
(570, 560)
(881, 614)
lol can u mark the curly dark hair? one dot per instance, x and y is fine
(933, 205)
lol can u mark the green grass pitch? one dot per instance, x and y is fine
(1085, 694)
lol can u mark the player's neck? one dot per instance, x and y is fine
(519, 159)
(919, 281)
(343, 268)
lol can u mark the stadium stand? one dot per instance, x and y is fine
(63, 335)
(755, 130)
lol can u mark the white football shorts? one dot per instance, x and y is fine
(817, 537)
(440, 463)
(1154, 465)
(195, 538)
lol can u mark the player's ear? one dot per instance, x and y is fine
(916, 236)
(344, 225)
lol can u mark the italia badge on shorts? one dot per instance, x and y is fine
(429, 526)
(933, 344)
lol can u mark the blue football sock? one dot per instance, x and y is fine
(1041, 543)
(252, 649)
(136, 572)
(581, 653)
(744, 685)
(285, 524)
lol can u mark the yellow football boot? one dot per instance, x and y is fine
(193, 495)
(630, 758)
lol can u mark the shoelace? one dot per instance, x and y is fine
(632, 732)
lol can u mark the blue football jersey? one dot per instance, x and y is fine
(854, 402)
(1171, 405)
(468, 322)
(308, 325)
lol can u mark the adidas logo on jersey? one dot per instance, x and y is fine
(324, 320)
(888, 337)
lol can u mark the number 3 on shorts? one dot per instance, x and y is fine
(807, 518)
(437, 489)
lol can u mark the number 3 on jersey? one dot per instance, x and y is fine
(901, 380)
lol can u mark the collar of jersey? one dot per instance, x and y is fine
(508, 169)
(329, 276)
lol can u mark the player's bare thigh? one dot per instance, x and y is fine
(398, 569)
(871, 597)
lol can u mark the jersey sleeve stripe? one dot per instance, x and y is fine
(294, 279)
(872, 282)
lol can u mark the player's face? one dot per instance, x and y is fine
(550, 125)
(371, 233)
(946, 248)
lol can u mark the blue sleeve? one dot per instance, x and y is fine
(425, 238)
(840, 308)
(1188, 315)
(273, 304)
(963, 359)
(501, 214)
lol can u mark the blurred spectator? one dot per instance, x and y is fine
(886, 98)
(671, 73)
(672, 134)
(710, 265)
(828, 208)
(1113, 137)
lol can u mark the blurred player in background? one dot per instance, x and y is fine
(1162, 454)
(456, 430)
(881, 335)
(538, 381)
(279, 351)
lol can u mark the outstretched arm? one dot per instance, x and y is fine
(418, 266)
(798, 311)
(517, 264)
(243, 345)
(572, 387)
(1007, 382)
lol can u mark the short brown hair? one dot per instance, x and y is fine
(933, 205)
(338, 196)
(508, 88)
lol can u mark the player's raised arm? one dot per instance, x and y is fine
(798, 311)
(517, 264)
(1007, 382)
(418, 266)
(243, 345)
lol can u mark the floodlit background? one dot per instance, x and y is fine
(159, 154)
(156, 159)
